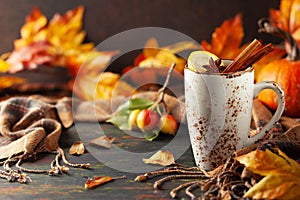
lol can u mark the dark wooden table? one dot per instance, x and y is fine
(71, 185)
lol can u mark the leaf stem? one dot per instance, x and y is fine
(161, 91)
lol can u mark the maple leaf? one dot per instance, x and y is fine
(63, 35)
(65, 32)
(33, 30)
(226, 39)
(287, 17)
(281, 175)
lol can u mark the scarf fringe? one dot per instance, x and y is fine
(18, 175)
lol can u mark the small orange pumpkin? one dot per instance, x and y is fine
(285, 71)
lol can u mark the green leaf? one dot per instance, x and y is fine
(150, 136)
(136, 103)
(120, 119)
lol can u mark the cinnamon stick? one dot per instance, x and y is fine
(257, 55)
(243, 57)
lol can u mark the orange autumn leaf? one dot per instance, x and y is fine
(57, 42)
(63, 31)
(281, 175)
(226, 39)
(8, 81)
(33, 30)
(287, 17)
(97, 181)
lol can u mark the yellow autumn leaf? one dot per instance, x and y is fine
(165, 56)
(151, 48)
(63, 35)
(65, 32)
(108, 78)
(33, 30)
(4, 66)
(100, 86)
(281, 175)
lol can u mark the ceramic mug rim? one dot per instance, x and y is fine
(229, 75)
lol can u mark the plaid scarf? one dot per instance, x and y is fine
(32, 125)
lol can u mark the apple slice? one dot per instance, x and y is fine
(199, 61)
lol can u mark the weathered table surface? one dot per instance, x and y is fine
(71, 185)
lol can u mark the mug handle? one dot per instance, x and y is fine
(280, 108)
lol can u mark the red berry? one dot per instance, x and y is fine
(147, 120)
(168, 124)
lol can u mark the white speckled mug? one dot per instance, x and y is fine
(219, 108)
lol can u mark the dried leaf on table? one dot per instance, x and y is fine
(281, 175)
(77, 148)
(103, 141)
(226, 39)
(97, 181)
(163, 158)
